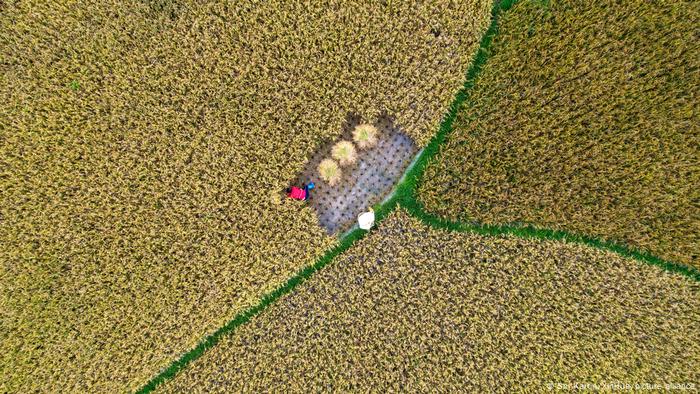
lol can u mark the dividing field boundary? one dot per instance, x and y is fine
(404, 196)
(529, 232)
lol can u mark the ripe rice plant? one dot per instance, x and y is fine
(585, 118)
(345, 153)
(144, 146)
(411, 308)
(330, 171)
(365, 135)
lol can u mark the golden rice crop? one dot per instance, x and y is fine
(329, 171)
(585, 118)
(365, 135)
(345, 153)
(142, 144)
(411, 308)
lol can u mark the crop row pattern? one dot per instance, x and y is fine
(412, 308)
(144, 146)
(585, 118)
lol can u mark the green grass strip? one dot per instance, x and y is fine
(404, 195)
(406, 191)
(529, 232)
(246, 315)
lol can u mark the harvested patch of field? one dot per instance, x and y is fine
(142, 144)
(363, 183)
(411, 308)
(586, 118)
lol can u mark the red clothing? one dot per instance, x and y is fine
(297, 194)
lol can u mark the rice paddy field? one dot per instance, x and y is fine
(144, 148)
(412, 308)
(147, 245)
(585, 118)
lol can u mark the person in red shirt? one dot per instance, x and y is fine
(303, 193)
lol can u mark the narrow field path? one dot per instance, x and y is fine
(404, 195)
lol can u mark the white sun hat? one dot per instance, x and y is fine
(366, 220)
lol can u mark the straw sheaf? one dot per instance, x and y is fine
(345, 153)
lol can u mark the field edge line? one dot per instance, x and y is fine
(531, 232)
(408, 199)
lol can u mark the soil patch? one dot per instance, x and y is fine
(364, 183)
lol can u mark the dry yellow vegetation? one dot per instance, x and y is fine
(411, 308)
(345, 153)
(586, 117)
(365, 135)
(329, 171)
(142, 144)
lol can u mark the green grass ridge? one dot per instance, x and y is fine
(404, 196)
